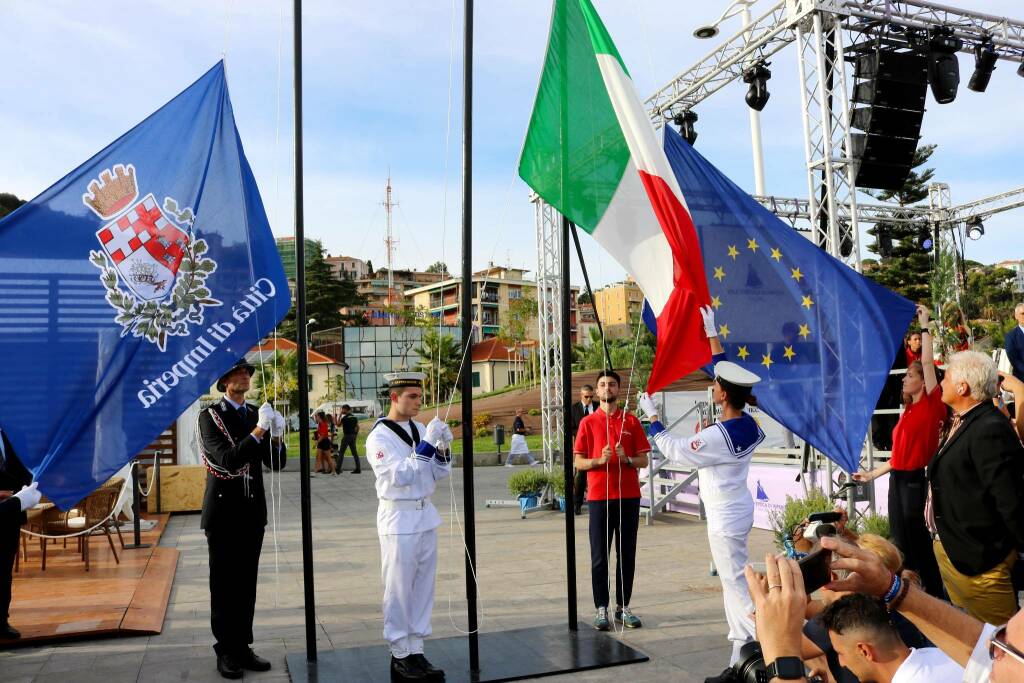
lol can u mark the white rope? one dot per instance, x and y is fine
(77, 533)
(152, 480)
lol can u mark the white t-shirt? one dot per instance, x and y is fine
(928, 665)
(979, 666)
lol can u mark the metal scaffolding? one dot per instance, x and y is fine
(549, 320)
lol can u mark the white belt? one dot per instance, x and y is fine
(420, 504)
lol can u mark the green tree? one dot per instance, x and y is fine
(8, 203)
(520, 316)
(988, 300)
(905, 266)
(438, 267)
(438, 351)
(277, 379)
(631, 352)
(325, 295)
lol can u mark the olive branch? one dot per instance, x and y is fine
(156, 321)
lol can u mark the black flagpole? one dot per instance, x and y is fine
(567, 444)
(300, 318)
(466, 380)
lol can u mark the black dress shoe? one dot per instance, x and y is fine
(432, 672)
(250, 661)
(405, 669)
(8, 632)
(228, 667)
(727, 676)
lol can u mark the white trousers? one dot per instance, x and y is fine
(729, 552)
(408, 563)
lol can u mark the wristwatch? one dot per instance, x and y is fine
(785, 668)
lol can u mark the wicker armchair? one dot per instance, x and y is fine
(96, 509)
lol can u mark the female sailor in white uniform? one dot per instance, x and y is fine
(722, 453)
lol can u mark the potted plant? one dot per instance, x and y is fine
(527, 485)
(557, 481)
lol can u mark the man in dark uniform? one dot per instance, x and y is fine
(580, 409)
(349, 430)
(13, 477)
(236, 440)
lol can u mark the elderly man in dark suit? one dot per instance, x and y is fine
(236, 440)
(976, 479)
(580, 409)
(13, 477)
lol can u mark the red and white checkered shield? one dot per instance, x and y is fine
(146, 248)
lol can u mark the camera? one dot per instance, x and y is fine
(750, 667)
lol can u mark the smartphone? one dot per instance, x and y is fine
(816, 568)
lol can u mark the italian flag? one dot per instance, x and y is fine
(591, 152)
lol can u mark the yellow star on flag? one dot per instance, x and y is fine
(733, 251)
(752, 244)
(723, 331)
(716, 303)
(807, 302)
(789, 353)
(719, 273)
(795, 274)
(776, 254)
(766, 360)
(743, 353)
(805, 330)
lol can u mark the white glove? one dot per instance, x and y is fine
(708, 315)
(437, 431)
(277, 425)
(646, 405)
(266, 417)
(29, 496)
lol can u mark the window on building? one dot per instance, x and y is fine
(476, 379)
(511, 377)
(309, 381)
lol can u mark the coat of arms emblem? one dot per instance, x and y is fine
(150, 249)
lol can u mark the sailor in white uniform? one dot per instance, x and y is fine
(722, 454)
(408, 460)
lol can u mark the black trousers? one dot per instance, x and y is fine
(908, 491)
(348, 442)
(10, 535)
(234, 565)
(611, 521)
(579, 489)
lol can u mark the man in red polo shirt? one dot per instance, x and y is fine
(610, 446)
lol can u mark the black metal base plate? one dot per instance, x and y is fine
(504, 656)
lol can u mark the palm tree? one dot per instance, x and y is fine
(439, 351)
(279, 377)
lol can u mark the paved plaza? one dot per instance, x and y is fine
(521, 575)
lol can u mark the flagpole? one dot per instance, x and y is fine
(567, 440)
(466, 380)
(300, 317)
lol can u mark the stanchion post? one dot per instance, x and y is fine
(136, 511)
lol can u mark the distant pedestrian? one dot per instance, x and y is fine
(585, 406)
(349, 431)
(519, 447)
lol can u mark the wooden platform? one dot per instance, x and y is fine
(66, 602)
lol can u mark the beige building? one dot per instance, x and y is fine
(378, 299)
(618, 305)
(494, 289)
(493, 366)
(347, 267)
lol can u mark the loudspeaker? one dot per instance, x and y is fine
(894, 87)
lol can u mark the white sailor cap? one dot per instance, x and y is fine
(399, 380)
(735, 374)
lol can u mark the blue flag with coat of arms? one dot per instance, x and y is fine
(129, 287)
(821, 336)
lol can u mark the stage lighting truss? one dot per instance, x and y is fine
(757, 78)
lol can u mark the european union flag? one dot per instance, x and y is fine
(128, 287)
(821, 336)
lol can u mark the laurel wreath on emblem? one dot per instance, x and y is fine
(157, 320)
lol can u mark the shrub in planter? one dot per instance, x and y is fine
(480, 421)
(557, 481)
(483, 431)
(795, 511)
(453, 423)
(527, 482)
(874, 523)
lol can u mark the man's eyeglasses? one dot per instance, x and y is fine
(998, 643)
(587, 397)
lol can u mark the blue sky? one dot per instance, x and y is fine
(377, 99)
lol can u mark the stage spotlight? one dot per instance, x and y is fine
(1020, 70)
(985, 57)
(943, 66)
(685, 120)
(705, 32)
(975, 229)
(924, 239)
(757, 94)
